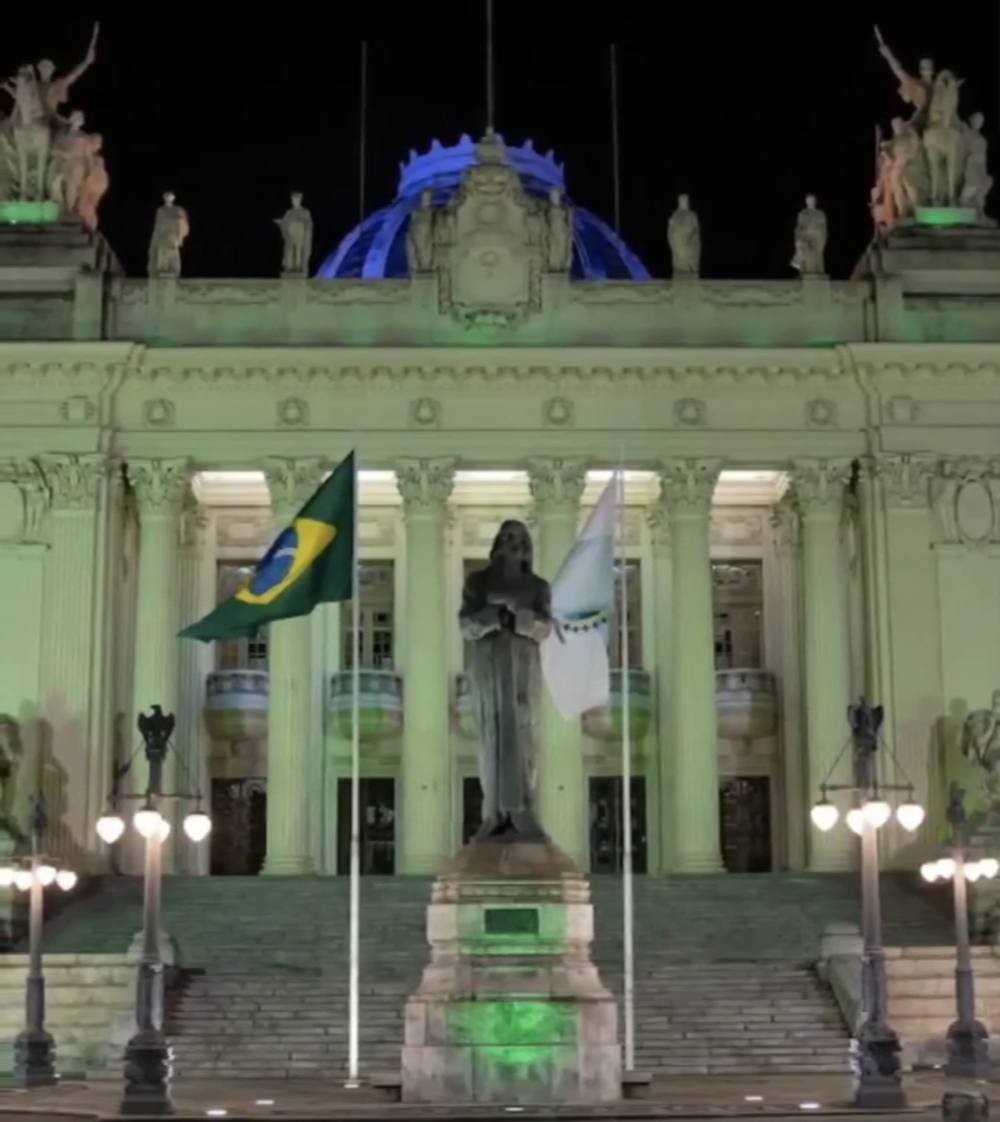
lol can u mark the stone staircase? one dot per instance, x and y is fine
(723, 978)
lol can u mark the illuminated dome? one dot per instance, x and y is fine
(377, 248)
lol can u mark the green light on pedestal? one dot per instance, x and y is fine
(945, 216)
(22, 212)
(513, 1034)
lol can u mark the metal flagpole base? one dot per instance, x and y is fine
(35, 1059)
(147, 1076)
(968, 1051)
(879, 1083)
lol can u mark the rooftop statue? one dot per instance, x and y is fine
(45, 157)
(296, 226)
(170, 231)
(684, 238)
(934, 159)
(810, 240)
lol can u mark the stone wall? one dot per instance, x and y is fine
(90, 1001)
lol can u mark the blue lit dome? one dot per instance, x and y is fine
(377, 248)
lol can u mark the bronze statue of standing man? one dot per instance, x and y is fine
(505, 615)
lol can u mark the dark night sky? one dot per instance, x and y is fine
(746, 112)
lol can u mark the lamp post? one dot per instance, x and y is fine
(34, 1048)
(879, 1084)
(968, 1039)
(147, 1055)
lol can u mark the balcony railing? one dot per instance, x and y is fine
(236, 705)
(381, 704)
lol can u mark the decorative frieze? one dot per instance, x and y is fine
(687, 485)
(425, 484)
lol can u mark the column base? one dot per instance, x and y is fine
(147, 1076)
(698, 863)
(287, 866)
(35, 1059)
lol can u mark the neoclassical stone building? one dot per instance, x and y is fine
(812, 513)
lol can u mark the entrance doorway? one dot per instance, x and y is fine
(378, 827)
(239, 827)
(745, 823)
(606, 824)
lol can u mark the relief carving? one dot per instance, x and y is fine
(558, 413)
(293, 413)
(77, 410)
(159, 413)
(691, 411)
(964, 495)
(821, 413)
(906, 479)
(73, 481)
(425, 413)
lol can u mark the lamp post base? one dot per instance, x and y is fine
(147, 1076)
(879, 1083)
(35, 1059)
(968, 1051)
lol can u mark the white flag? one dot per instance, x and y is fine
(575, 661)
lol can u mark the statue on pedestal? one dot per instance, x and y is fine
(170, 231)
(42, 153)
(944, 157)
(684, 238)
(810, 240)
(558, 233)
(505, 615)
(296, 226)
(980, 745)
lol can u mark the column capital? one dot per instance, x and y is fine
(160, 485)
(819, 484)
(73, 481)
(688, 484)
(556, 482)
(425, 485)
(292, 479)
(905, 478)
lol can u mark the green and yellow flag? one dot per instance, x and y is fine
(310, 563)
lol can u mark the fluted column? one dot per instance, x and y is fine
(196, 598)
(289, 716)
(556, 488)
(426, 843)
(71, 664)
(160, 489)
(819, 489)
(687, 487)
(659, 531)
(786, 528)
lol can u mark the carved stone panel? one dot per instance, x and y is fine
(965, 498)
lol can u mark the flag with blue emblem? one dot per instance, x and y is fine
(575, 662)
(310, 563)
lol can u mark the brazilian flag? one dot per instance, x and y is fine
(310, 563)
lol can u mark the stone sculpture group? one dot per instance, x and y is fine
(933, 158)
(46, 157)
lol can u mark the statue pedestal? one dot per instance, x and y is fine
(511, 1009)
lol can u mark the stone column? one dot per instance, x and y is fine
(556, 488)
(425, 819)
(289, 717)
(786, 528)
(687, 487)
(662, 582)
(819, 489)
(161, 487)
(72, 664)
(196, 598)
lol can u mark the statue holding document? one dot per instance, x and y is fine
(505, 615)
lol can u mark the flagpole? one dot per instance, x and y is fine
(353, 1012)
(628, 931)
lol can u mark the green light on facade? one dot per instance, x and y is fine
(513, 1034)
(22, 212)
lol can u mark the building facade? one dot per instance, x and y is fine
(812, 489)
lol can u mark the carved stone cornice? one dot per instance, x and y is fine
(556, 483)
(425, 485)
(74, 482)
(687, 485)
(160, 486)
(819, 484)
(292, 480)
(905, 478)
(36, 496)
